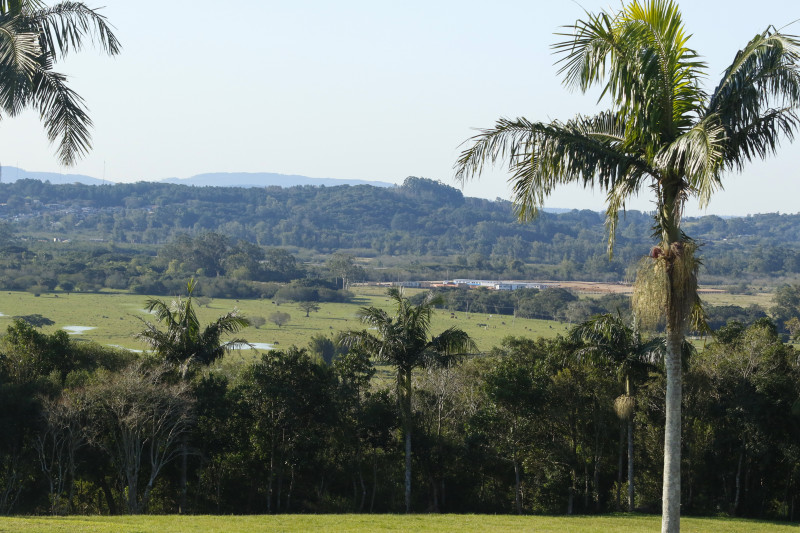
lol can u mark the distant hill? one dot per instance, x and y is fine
(266, 179)
(10, 174)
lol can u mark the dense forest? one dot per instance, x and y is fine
(420, 230)
(535, 426)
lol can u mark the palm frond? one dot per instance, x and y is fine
(587, 50)
(19, 53)
(450, 346)
(586, 150)
(65, 25)
(65, 117)
(757, 99)
(640, 56)
(603, 330)
(374, 316)
(764, 70)
(699, 155)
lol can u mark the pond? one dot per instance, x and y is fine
(124, 348)
(74, 330)
(256, 345)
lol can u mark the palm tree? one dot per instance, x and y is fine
(663, 132)
(403, 341)
(607, 340)
(183, 342)
(33, 37)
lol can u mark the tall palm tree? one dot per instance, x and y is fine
(607, 340)
(33, 36)
(404, 341)
(663, 132)
(183, 342)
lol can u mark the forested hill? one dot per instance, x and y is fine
(422, 218)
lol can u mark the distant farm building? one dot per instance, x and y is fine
(499, 285)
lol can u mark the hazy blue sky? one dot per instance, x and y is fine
(376, 90)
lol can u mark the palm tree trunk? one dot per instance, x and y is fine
(620, 463)
(630, 465)
(671, 494)
(363, 491)
(184, 468)
(407, 423)
(737, 496)
(517, 487)
(408, 470)
(374, 480)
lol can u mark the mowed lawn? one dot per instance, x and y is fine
(116, 317)
(378, 523)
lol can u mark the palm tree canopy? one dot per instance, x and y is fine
(663, 130)
(183, 341)
(403, 340)
(33, 36)
(607, 340)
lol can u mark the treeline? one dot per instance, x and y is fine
(552, 303)
(227, 269)
(559, 304)
(420, 220)
(531, 427)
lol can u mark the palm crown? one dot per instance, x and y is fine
(403, 341)
(184, 342)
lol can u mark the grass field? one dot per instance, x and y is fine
(115, 318)
(764, 299)
(374, 523)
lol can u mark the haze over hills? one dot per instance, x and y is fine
(266, 179)
(10, 174)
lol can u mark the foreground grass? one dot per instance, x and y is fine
(371, 523)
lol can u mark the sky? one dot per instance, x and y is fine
(372, 90)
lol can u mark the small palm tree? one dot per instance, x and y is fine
(403, 341)
(183, 342)
(33, 37)
(606, 340)
(664, 133)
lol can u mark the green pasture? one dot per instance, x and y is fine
(116, 317)
(764, 299)
(373, 523)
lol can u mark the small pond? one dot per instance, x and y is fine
(256, 345)
(74, 330)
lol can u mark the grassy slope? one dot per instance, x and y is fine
(371, 523)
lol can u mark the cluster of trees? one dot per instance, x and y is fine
(456, 236)
(568, 425)
(228, 269)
